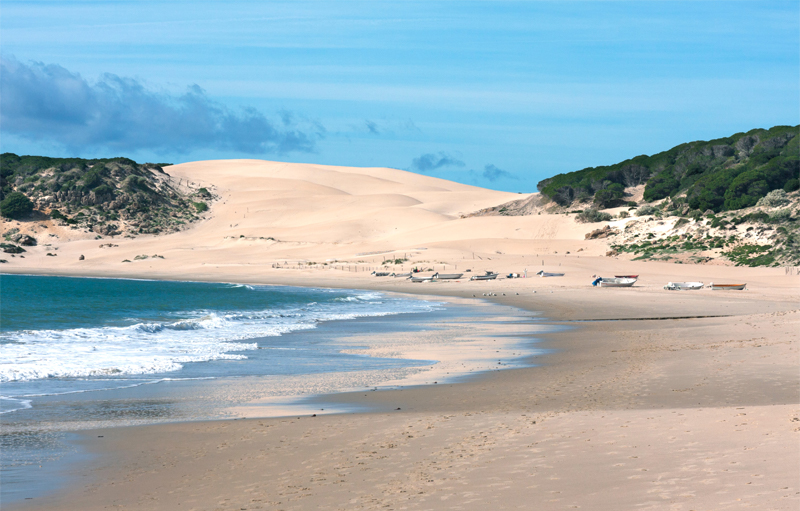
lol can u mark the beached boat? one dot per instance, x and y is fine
(490, 275)
(448, 276)
(404, 275)
(614, 282)
(723, 287)
(429, 278)
(543, 273)
(381, 273)
(683, 286)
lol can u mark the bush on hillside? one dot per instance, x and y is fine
(647, 209)
(15, 205)
(591, 216)
(780, 216)
(774, 199)
(610, 196)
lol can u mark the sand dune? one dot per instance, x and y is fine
(314, 213)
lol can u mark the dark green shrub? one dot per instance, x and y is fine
(792, 185)
(15, 205)
(200, 206)
(661, 185)
(610, 196)
(134, 183)
(92, 179)
(103, 189)
(10, 248)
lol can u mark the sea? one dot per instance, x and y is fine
(84, 353)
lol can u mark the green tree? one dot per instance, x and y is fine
(609, 196)
(15, 205)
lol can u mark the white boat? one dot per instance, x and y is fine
(490, 275)
(543, 273)
(405, 275)
(683, 286)
(448, 276)
(429, 278)
(616, 282)
(718, 287)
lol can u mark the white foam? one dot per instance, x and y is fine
(160, 347)
(16, 404)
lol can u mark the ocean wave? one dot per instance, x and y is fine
(155, 347)
(12, 404)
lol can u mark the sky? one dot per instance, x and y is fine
(495, 94)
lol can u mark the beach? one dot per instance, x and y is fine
(644, 398)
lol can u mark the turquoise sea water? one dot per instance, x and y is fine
(78, 353)
(83, 353)
(60, 334)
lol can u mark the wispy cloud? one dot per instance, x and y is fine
(493, 173)
(430, 161)
(48, 102)
(372, 127)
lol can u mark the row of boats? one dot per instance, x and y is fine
(629, 280)
(616, 281)
(489, 275)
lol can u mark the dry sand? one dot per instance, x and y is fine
(697, 412)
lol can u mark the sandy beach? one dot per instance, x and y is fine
(646, 399)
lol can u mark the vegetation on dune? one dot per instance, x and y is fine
(752, 238)
(109, 196)
(591, 216)
(15, 205)
(719, 175)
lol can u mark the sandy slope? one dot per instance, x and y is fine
(313, 213)
(628, 414)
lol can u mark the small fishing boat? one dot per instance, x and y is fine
(448, 276)
(404, 275)
(724, 287)
(683, 286)
(614, 282)
(543, 273)
(381, 273)
(626, 276)
(490, 275)
(429, 278)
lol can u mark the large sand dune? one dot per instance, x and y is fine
(272, 212)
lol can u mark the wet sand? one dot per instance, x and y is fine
(694, 413)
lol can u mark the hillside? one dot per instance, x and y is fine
(114, 196)
(718, 175)
(265, 216)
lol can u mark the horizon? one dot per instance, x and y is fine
(499, 95)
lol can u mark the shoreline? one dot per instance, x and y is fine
(451, 366)
(500, 397)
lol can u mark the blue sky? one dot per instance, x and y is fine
(497, 94)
